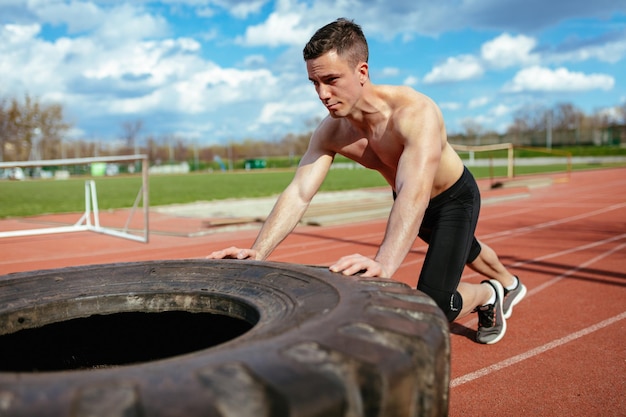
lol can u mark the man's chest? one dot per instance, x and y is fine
(377, 153)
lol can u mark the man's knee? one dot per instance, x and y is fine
(450, 303)
(474, 251)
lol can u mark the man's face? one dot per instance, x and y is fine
(338, 84)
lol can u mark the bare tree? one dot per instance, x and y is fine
(566, 116)
(130, 134)
(472, 129)
(6, 128)
(531, 118)
(30, 129)
(621, 111)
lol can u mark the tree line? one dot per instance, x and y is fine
(31, 130)
(24, 123)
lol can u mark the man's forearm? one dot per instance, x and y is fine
(282, 220)
(401, 232)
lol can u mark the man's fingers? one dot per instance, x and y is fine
(354, 264)
(231, 253)
(244, 254)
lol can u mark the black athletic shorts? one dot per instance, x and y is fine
(448, 227)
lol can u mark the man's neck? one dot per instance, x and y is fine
(370, 111)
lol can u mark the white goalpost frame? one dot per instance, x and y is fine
(499, 146)
(91, 200)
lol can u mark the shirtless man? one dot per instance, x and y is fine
(401, 134)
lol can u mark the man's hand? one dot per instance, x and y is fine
(235, 253)
(353, 264)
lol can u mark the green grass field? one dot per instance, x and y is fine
(34, 197)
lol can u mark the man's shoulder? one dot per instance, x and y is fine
(332, 126)
(413, 109)
(405, 98)
(402, 92)
(329, 132)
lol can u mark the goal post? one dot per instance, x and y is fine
(533, 159)
(90, 220)
(471, 149)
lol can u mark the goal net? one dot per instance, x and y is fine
(90, 219)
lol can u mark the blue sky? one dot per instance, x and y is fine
(218, 70)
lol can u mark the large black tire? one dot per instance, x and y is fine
(314, 343)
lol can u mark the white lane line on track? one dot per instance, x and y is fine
(567, 252)
(534, 352)
(528, 229)
(577, 268)
(585, 197)
(470, 322)
(322, 245)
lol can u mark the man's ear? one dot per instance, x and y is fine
(364, 72)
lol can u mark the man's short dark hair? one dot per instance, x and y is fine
(343, 36)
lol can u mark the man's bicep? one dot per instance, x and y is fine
(419, 160)
(316, 161)
(310, 173)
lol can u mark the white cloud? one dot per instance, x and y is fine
(500, 110)
(611, 51)
(206, 12)
(507, 51)
(123, 21)
(613, 114)
(501, 52)
(28, 63)
(245, 8)
(489, 119)
(451, 105)
(127, 23)
(561, 79)
(464, 67)
(78, 16)
(285, 111)
(479, 102)
(254, 61)
(240, 9)
(479, 122)
(199, 91)
(411, 80)
(18, 34)
(158, 59)
(389, 72)
(279, 29)
(135, 78)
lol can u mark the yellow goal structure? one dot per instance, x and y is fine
(517, 159)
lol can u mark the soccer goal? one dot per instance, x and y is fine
(90, 219)
(472, 150)
(518, 160)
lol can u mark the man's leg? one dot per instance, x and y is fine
(474, 295)
(486, 300)
(488, 264)
(449, 226)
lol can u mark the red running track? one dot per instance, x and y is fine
(564, 353)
